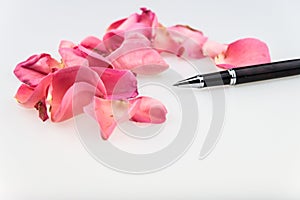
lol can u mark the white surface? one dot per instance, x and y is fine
(256, 158)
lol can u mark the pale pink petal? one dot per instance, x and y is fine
(164, 42)
(73, 88)
(35, 68)
(244, 52)
(103, 111)
(119, 84)
(66, 44)
(30, 96)
(181, 40)
(212, 48)
(137, 55)
(147, 110)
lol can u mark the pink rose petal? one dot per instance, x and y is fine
(94, 58)
(35, 68)
(108, 113)
(73, 88)
(164, 42)
(147, 19)
(103, 112)
(71, 55)
(30, 96)
(180, 40)
(144, 23)
(91, 42)
(147, 110)
(244, 52)
(212, 48)
(119, 84)
(88, 53)
(137, 55)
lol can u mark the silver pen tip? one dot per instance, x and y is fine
(182, 84)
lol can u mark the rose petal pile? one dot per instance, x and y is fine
(98, 77)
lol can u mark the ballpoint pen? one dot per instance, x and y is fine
(245, 74)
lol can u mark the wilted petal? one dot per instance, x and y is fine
(42, 109)
(30, 96)
(73, 88)
(35, 68)
(137, 55)
(244, 52)
(147, 110)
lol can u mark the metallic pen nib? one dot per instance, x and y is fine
(193, 82)
(181, 83)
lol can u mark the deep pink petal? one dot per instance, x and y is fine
(147, 110)
(119, 84)
(137, 55)
(116, 24)
(147, 19)
(244, 52)
(144, 23)
(30, 96)
(73, 88)
(35, 68)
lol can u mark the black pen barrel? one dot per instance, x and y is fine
(267, 71)
(245, 74)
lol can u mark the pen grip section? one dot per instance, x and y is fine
(216, 79)
(267, 71)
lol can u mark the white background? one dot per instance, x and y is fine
(258, 156)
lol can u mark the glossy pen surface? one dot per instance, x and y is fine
(242, 75)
